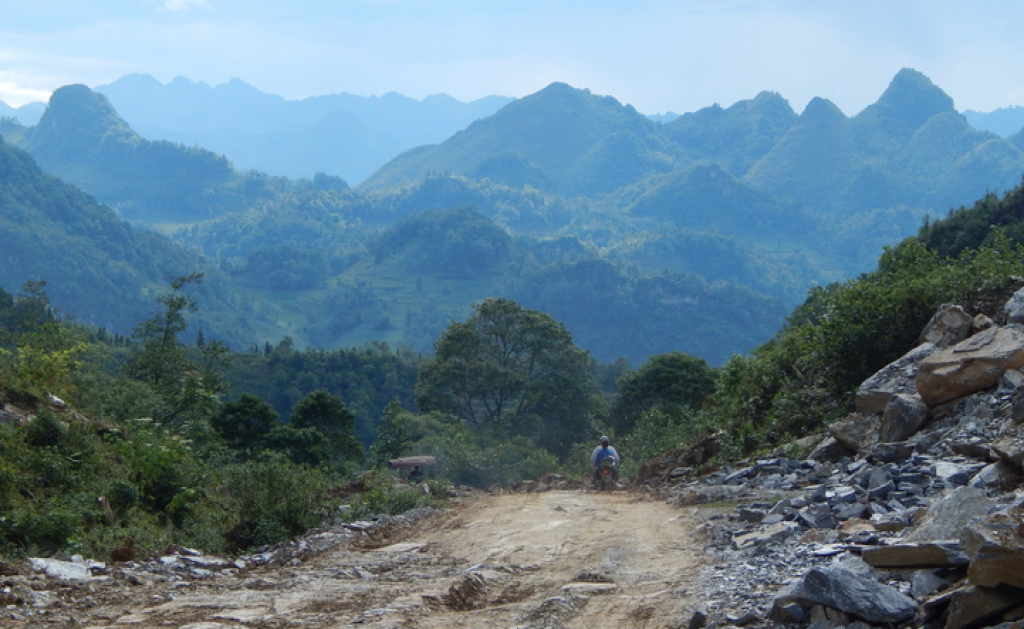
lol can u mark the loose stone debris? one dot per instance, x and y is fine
(910, 512)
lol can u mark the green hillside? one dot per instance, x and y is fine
(98, 268)
(81, 139)
(582, 144)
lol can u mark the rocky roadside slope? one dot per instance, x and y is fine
(909, 513)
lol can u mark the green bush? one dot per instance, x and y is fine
(658, 431)
(45, 430)
(275, 498)
(384, 497)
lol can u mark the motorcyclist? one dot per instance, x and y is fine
(600, 453)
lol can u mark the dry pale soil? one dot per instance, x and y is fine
(553, 559)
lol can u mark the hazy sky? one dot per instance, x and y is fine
(657, 55)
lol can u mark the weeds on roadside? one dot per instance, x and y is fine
(384, 496)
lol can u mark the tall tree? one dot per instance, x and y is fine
(326, 413)
(515, 371)
(392, 436)
(162, 361)
(244, 423)
(668, 381)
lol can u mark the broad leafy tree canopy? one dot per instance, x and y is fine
(515, 371)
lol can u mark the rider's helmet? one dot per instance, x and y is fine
(604, 441)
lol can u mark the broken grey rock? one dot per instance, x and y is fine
(981, 322)
(897, 377)
(748, 617)
(947, 517)
(995, 545)
(903, 416)
(829, 449)
(944, 554)
(857, 432)
(957, 474)
(1011, 382)
(969, 366)
(57, 569)
(948, 326)
(773, 533)
(890, 522)
(1009, 446)
(839, 588)
(789, 614)
(1014, 308)
(998, 475)
(698, 619)
(924, 583)
(973, 606)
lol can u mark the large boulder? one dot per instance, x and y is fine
(1014, 308)
(969, 366)
(1009, 446)
(974, 606)
(896, 377)
(857, 431)
(948, 326)
(995, 546)
(904, 415)
(947, 517)
(840, 588)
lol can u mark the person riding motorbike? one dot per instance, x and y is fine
(600, 453)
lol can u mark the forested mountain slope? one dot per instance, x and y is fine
(98, 267)
(81, 139)
(910, 148)
(695, 235)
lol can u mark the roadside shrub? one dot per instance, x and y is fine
(384, 497)
(658, 431)
(276, 498)
(45, 430)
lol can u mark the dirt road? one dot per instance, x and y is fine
(552, 559)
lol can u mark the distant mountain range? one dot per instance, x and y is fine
(1005, 121)
(26, 114)
(910, 148)
(643, 237)
(343, 135)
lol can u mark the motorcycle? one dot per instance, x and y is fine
(607, 474)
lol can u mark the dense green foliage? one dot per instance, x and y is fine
(667, 382)
(513, 372)
(366, 378)
(147, 451)
(98, 266)
(970, 228)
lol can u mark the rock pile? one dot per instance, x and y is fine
(910, 512)
(53, 591)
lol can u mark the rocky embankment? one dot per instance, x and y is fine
(909, 513)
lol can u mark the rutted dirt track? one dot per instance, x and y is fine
(552, 559)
